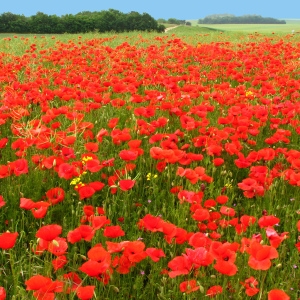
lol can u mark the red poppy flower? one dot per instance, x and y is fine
(97, 185)
(3, 142)
(134, 251)
(247, 220)
(172, 232)
(222, 199)
(189, 196)
(199, 239)
(72, 281)
(242, 162)
(123, 264)
(49, 232)
(155, 254)
(214, 291)
(201, 214)
(115, 247)
(2, 202)
(69, 140)
(113, 231)
(51, 162)
(156, 153)
(189, 286)
(99, 221)
(261, 255)
(188, 173)
(74, 236)
(267, 221)
(37, 282)
(108, 163)
(249, 186)
(151, 223)
(59, 262)
(266, 154)
(58, 246)
(85, 292)
(88, 210)
(180, 266)
(100, 210)
(215, 235)
(133, 144)
(4, 171)
(226, 267)
(68, 153)
(250, 285)
(224, 251)
(84, 232)
(66, 171)
(278, 295)
(94, 268)
(93, 165)
(8, 240)
(126, 184)
(128, 155)
(92, 147)
(160, 166)
(214, 150)
(218, 161)
(275, 238)
(101, 134)
(227, 211)
(99, 254)
(19, 167)
(198, 257)
(40, 209)
(86, 191)
(55, 195)
(113, 122)
(2, 293)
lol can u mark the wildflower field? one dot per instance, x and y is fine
(150, 167)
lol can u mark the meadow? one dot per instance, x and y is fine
(150, 166)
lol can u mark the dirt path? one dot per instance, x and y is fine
(169, 28)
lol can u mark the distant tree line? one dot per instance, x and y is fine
(103, 21)
(171, 21)
(232, 19)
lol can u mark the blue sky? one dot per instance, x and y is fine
(179, 9)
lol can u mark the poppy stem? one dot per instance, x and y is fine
(262, 285)
(13, 273)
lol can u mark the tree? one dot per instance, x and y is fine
(42, 23)
(176, 21)
(231, 19)
(161, 28)
(160, 20)
(72, 24)
(20, 25)
(6, 20)
(110, 20)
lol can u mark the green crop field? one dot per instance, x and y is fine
(291, 24)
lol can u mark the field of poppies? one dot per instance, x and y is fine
(150, 167)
